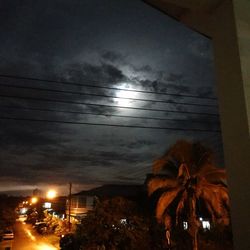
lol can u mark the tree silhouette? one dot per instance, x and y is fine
(114, 223)
(185, 177)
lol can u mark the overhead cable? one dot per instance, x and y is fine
(108, 125)
(106, 96)
(101, 114)
(105, 105)
(102, 87)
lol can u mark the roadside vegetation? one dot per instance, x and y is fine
(7, 211)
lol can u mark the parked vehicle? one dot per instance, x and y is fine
(22, 217)
(8, 235)
(41, 227)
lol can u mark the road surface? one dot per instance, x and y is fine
(26, 239)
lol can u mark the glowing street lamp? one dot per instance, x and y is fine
(51, 194)
(34, 200)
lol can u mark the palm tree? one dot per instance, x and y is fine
(190, 178)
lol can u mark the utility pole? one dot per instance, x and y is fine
(69, 205)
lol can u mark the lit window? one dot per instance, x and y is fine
(47, 205)
(123, 221)
(206, 224)
(185, 225)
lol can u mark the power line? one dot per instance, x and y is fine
(104, 105)
(99, 114)
(106, 96)
(108, 125)
(101, 87)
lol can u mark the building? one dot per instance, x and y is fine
(84, 201)
(79, 206)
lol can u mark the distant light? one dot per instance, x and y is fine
(47, 205)
(206, 225)
(34, 200)
(51, 194)
(185, 225)
(201, 219)
(23, 210)
(123, 221)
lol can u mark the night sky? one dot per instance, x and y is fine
(117, 44)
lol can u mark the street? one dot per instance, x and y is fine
(25, 238)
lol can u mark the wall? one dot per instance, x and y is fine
(232, 65)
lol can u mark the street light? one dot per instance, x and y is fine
(34, 200)
(51, 194)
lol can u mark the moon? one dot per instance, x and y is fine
(124, 97)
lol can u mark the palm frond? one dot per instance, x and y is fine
(207, 168)
(216, 176)
(183, 172)
(178, 153)
(164, 163)
(216, 197)
(181, 206)
(165, 200)
(219, 190)
(195, 177)
(157, 183)
(224, 220)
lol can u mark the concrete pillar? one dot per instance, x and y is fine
(231, 38)
(242, 18)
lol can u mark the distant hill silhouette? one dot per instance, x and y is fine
(112, 190)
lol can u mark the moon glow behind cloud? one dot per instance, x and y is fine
(124, 97)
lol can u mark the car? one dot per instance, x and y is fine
(41, 227)
(22, 218)
(8, 235)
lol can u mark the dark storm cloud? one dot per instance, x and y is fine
(173, 77)
(112, 56)
(24, 135)
(164, 81)
(171, 86)
(72, 162)
(36, 173)
(107, 159)
(103, 73)
(139, 144)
